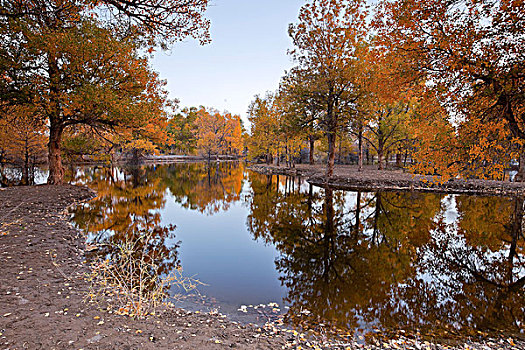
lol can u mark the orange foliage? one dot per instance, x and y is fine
(80, 68)
(218, 133)
(329, 43)
(470, 56)
(22, 142)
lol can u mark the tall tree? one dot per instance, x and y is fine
(79, 61)
(303, 111)
(22, 142)
(328, 39)
(181, 131)
(264, 119)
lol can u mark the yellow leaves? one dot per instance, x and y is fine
(218, 133)
(265, 122)
(22, 137)
(123, 311)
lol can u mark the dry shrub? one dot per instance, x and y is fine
(129, 280)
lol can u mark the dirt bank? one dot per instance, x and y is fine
(43, 287)
(348, 177)
(43, 290)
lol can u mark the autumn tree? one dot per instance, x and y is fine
(103, 85)
(22, 142)
(386, 129)
(384, 108)
(181, 131)
(486, 148)
(217, 133)
(435, 140)
(234, 139)
(328, 39)
(303, 111)
(264, 119)
(156, 22)
(79, 61)
(470, 54)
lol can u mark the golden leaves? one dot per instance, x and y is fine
(218, 133)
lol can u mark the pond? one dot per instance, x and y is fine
(347, 261)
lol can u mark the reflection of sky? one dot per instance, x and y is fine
(219, 251)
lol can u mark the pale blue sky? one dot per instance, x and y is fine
(247, 55)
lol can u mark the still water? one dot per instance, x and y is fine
(354, 261)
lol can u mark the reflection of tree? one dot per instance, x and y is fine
(340, 262)
(206, 187)
(391, 260)
(361, 265)
(126, 213)
(479, 268)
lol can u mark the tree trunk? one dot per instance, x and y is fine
(312, 145)
(398, 160)
(25, 167)
(340, 151)
(360, 143)
(331, 133)
(380, 148)
(331, 154)
(56, 170)
(287, 156)
(380, 159)
(520, 176)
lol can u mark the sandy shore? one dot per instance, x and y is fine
(348, 177)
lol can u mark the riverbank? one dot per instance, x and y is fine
(43, 291)
(348, 177)
(162, 159)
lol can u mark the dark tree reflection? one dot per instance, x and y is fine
(478, 269)
(394, 260)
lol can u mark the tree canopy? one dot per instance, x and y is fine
(82, 63)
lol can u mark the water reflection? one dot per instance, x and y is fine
(346, 260)
(125, 217)
(206, 187)
(395, 260)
